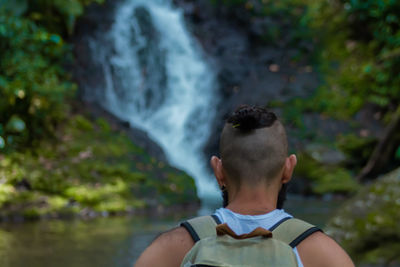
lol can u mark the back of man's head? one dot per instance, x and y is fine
(253, 146)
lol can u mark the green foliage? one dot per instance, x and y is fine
(34, 88)
(16, 7)
(359, 54)
(91, 195)
(56, 16)
(6, 193)
(368, 225)
(87, 168)
(280, 22)
(177, 189)
(325, 178)
(358, 149)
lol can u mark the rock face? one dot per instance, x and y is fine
(368, 225)
(87, 73)
(257, 62)
(97, 18)
(251, 67)
(140, 137)
(250, 70)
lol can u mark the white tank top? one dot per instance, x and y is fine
(244, 224)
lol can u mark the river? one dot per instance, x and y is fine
(110, 241)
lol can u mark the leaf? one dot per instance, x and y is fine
(397, 155)
(15, 124)
(70, 8)
(16, 7)
(2, 142)
(3, 30)
(367, 68)
(70, 22)
(3, 81)
(56, 39)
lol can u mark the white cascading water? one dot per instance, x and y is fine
(157, 80)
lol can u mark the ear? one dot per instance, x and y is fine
(216, 165)
(288, 169)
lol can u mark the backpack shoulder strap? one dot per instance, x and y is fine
(288, 230)
(292, 231)
(201, 227)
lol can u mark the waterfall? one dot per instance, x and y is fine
(157, 79)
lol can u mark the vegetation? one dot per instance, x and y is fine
(89, 168)
(360, 71)
(282, 23)
(356, 45)
(325, 179)
(366, 52)
(357, 54)
(54, 162)
(367, 226)
(34, 86)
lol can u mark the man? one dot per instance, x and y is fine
(252, 173)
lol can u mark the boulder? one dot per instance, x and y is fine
(368, 224)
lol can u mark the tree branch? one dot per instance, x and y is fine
(383, 150)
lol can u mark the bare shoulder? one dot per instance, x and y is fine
(321, 250)
(167, 250)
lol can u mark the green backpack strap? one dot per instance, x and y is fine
(288, 230)
(201, 227)
(292, 231)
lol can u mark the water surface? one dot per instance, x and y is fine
(108, 242)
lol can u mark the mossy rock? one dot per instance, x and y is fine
(357, 149)
(323, 178)
(89, 169)
(368, 225)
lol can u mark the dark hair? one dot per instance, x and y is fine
(249, 155)
(282, 196)
(247, 118)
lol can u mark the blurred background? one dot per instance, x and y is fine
(111, 109)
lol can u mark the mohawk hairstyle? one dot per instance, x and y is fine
(253, 147)
(247, 118)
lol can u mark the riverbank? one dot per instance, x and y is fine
(115, 241)
(367, 225)
(60, 157)
(89, 169)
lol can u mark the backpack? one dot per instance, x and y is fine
(217, 245)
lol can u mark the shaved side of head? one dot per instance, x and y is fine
(255, 152)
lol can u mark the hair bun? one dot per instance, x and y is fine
(247, 118)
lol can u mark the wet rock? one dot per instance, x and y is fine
(97, 20)
(367, 226)
(242, 58)
(325, 155)
(139, 137)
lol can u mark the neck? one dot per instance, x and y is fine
(253, 200)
